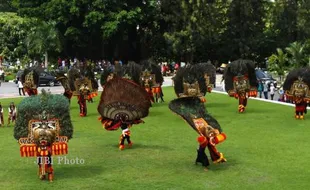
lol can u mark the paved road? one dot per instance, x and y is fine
(10, 89)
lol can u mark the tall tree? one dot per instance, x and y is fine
(245, 28)
(285, 20)
(297, 55)
(6, 6)
(13, 31)
(43, 39)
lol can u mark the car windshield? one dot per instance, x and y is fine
(261, 74)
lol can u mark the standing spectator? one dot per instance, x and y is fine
(265, 90)
(176, 67)
(59, 62)
(272, 91)
(12, 113)
(18, 62)
(1, 116)
(260, 88)
(1, 74)
(20, 88)
(164, 69)
(281, 95)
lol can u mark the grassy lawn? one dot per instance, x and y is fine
(266, 148)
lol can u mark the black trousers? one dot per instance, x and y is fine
(21, 90)
(127, 137)
(202, 157)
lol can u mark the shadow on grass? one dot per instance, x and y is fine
(156, 113)
(222, 166)
(77, 171)
(257, 110)
(217, 104)
(142, 146)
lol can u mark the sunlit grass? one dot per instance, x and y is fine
(266, 148)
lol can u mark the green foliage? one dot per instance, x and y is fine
(297, 55)
(179, 30)
(43, 38)
(13, 31)
(278, 62)
(57, 105)
(6, 6)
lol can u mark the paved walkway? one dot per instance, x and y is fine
(167, 82)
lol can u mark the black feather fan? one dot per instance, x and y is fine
(238, 68)
(189, 74)
(188, 107)
(294, 75)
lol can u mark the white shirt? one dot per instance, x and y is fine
(14, 111)
(272, 89)
(265, 87)
(20, 84)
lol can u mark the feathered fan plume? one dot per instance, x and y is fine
(154, 69)
(294, 75)
(210, 70)
(132, 71)
(73, 74)
(238, 68)
(122, 96)
(35, 75)
(189, 74)
(191, 106)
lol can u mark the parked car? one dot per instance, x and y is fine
(48, 79)
(45, 78)
(264, 76)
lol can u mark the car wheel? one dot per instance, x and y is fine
(51, 83)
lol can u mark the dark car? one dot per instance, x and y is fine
(48, 79)
(265, 77)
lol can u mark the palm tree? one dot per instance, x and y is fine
(296, 51)
(43, 38)
(278, 63)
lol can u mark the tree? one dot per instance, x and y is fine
(13, 31)
(246, 24)
(297, 56)
(278, 63)
(285, 22)
(42, 39)
(6, 6)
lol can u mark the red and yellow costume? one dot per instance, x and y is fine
(43, 128)
(30, 80)
(123, 103)
(194, 80)
(84, 91)
(152, 79)
(242, 91)
(66, 85)
(193, 112)
(43, 142)
(296, 87)
(240, 81)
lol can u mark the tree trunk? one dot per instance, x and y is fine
(46, 60)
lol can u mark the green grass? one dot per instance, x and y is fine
(266, 148)
(12, 76)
